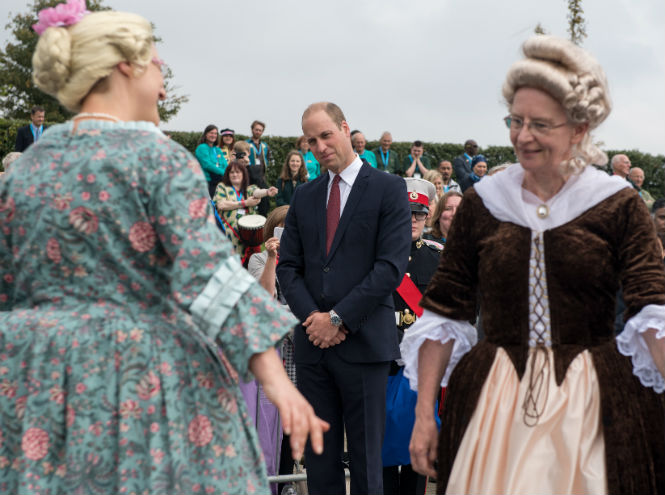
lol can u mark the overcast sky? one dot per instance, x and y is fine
(426, 69)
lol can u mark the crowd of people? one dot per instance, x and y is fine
(176, 324)
(301, 166)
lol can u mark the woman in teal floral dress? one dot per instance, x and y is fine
(124, 316)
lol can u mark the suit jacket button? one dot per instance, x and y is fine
(326, 269)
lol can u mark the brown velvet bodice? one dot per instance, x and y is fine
(585, 259)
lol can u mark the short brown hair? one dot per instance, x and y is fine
(334, 112)
(258, 122)
(241, 146)
(299, 141)
(276, 217)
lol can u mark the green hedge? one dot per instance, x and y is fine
(653, 165)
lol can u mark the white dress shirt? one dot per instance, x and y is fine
(347, 178)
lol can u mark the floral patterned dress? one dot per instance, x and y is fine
(121, 307)
(231, 217)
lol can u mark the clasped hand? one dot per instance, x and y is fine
(321, 332)
(252, 201)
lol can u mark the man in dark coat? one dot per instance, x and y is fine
(462, 164)
(343, 252)
(29, 134)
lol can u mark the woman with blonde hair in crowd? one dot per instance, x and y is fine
(443, 215)
(294, 174)
(549, 401)
(435, 177)
(124, 314)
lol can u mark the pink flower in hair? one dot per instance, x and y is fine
(64, 14)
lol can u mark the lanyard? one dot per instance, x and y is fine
(216, 156)
(257, 150)
(385, 158)
(238, 194)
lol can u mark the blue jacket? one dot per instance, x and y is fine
(369, 157)
(366, 263)
(211, 159)
(312, 164)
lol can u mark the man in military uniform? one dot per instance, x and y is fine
(423, 261)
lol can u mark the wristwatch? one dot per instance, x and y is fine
(335, 320)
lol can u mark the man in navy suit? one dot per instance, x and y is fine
(29, 134)
(343, 252)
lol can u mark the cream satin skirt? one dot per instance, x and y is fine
(563, 453)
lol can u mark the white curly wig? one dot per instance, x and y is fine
(572, 77)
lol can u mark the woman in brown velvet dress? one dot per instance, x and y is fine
(549, 401)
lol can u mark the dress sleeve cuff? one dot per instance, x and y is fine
(431, 326)
(211, 308)
(630, 343)
(240, 316)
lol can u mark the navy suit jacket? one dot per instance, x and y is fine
(24, 138)
(366, 263)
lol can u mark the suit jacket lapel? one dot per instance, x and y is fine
(320, 211)
(357, 192)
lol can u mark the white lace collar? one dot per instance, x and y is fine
(503, 195)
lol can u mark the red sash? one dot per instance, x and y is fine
(411, 295)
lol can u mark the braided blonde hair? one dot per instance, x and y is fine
(69, 61)
(572, 77)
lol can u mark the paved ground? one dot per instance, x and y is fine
(302, 488)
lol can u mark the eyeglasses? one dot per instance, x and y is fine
(535, 126)
(419, 215)
(159, 63)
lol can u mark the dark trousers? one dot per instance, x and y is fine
(404, 482)
(352, 396)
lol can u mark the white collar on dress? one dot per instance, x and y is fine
(503, 195)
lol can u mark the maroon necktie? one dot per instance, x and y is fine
(332, 213)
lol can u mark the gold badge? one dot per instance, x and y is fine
(413, 195)
(408, 318)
